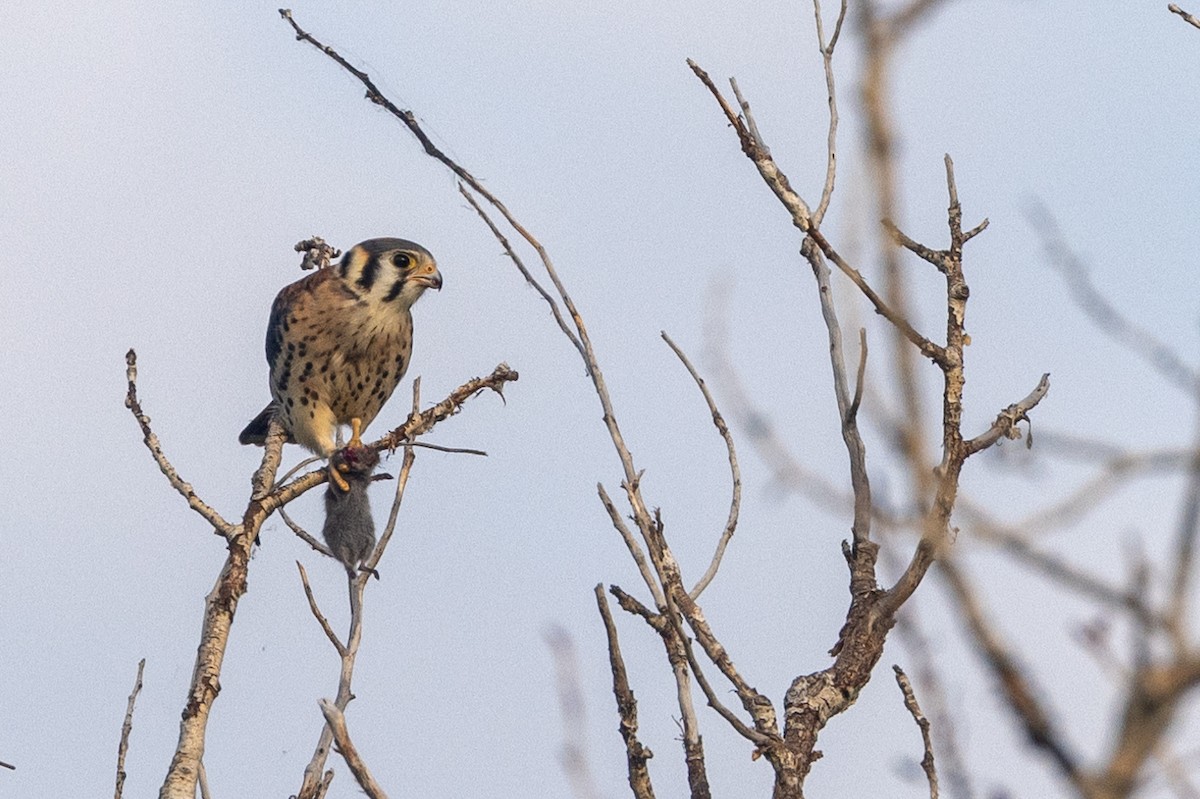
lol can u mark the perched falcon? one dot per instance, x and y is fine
(339, 340)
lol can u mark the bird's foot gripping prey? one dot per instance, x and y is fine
(355, 444)
(338, 342)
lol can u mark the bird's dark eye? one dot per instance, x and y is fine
(401, 260)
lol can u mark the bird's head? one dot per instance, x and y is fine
(390, 271)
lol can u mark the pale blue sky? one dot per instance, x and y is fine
(161, 160)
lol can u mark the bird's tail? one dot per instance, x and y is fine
(256, 432)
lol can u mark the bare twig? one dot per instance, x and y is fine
(1005, 425)
(635, 549)
(337, 722)
(636, 755)
(202, 780)
(126, 728)
(1189, 18)
(304, 535)
(831, 92)
(525, 273)
(910, 702)
(451, 450)
(317, 614)
(220, 526)
(735, 472)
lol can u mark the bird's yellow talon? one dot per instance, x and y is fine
(338, 480)
(355, 433)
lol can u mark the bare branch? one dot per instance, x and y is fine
(450, 450)
(525, 273)
(756, 737)
(202, 780)
(735, 472)
(401, 484)
(748, 115)
(126, 728)
(304, 535)
(636, 755)
(861, 377)
(938, 258)
(220, 526)
(863, 568)
(910, 702)
(317, 614)
(641, 514)
(757, 151)
(1189, 18)
(337, 722)
(635, 549)
(693, 745)
(831, 92)
(1005, 425)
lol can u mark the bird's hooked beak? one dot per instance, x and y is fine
(429, 277)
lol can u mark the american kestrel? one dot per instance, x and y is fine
(338, 342)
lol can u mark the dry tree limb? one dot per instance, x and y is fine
(831, 92)
(1178, 604)
(910, 702)
(304, 535)
(317, 614)
(220, 606)
(202, 780)
(220, 526)
(1189, 18)
(635, 549)
(126, 729)
(524, 270)
(337, 723)
(636, 755)
(735, 503)
(929, 673)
